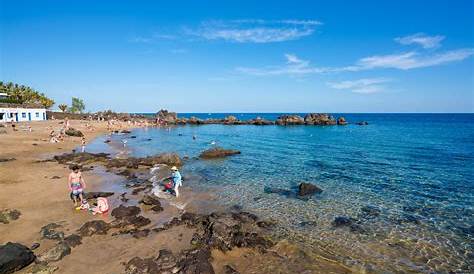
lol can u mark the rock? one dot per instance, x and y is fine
(260, 122)
(73, 240)
(43, 268)
(125, 131)
(362, 123)
(195, 121)
(166, 116)
(166, 260)
(342, 221)
(74, 132)
(8, 215)
(280, 191)
(229, 270)
(141, 233)
(49, 232)
(2, 160)
(285, 120)
(138, 265)
(196, 261)
(95, 195)
(56, 253)
(81, 158)
(319, 119)
(125, 211)
(230, 120)
(150, 200)
(56, 177)
(94, 227)
(14, 256)
(217, 153)
(305, 189)
(370, 211)
(157, 208)
(341, 121)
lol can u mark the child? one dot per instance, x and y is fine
(76, 185)
(83, 144)
(177, 182)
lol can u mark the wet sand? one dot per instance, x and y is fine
(33, 187)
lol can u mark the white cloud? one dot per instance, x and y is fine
(365, 86)
(255, 30)
(421, 39)
(410, 60)
(294, 67)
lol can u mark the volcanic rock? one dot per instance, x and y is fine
(74, 132)
(14, 256)
(319, 119)
(73, 240)
(305, 189)
(95, 195)
(217, 153)
(94, 227)
(8, 215)
(125, 211)
(56, 253)
(49, 232)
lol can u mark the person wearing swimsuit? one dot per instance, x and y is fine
(76, 185)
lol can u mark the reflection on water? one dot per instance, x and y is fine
(405, 180)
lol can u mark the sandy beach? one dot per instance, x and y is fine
(38, 189)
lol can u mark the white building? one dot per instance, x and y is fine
(14, 113)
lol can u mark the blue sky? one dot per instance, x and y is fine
(244, 56)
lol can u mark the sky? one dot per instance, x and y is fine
(244, 56)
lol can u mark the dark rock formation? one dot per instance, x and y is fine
(56, 253)
(95, 195)
(319, 119)
(138, 265)
(362, 123)
(141, 233)
(125, 211)
(195, 121)
(150, 200)
(8, 215)
(14, 256)
(196, 261)
(260, 122)
(49, 232)
(217, 153)
(341, 121)
(73, 240)
(305, 189)
(230, 270)
(166, 116)
(94, 227)
(343, 221)
(74, 132)
(370, 211)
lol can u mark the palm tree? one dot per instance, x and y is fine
(62, 107)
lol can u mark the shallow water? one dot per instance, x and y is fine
(416, 170)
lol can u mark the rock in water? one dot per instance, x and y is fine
(73, 240)
(95, 195)
(150, 200)
(290, 120)
(217, 153)
(49, 232)
(43, 268)
(305, 189)
(342, 221)
(230, 270)
(125, 211)
(341, 121)
(319, 119)
(74, 132)
(138, 265)
(94, 227)
(56, 253)
(14, 256)
(362, 123)
(166, 116)
(8, 215)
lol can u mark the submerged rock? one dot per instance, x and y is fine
(14, 256)
(342, 221)
(8, 215)
(74, 132)
(94, 227)
(217, 153)
(43, 268)
(56, 253)
(196, 261)
(370, 211)
(73, 240)
(95, 195)
(230, 270)
(125, 211)
(138, 265)
(49, 232)
(362, 123)
(305, 189)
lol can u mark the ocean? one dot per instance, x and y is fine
(405, 181)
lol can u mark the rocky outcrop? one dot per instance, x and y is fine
(217, 153)
(260, 122)
(50, 232)
(74, 132)
(14, 256)
(8, 215)
(125, 211)
(152, 201)
(73, 240)
(127, 217)
(56, 253)
(95, 195)
(94, 227)
(319, 119)
(305, 189)
(195, 121)
(362, 123)
(166, 116)
(341, 121)
(286, 120)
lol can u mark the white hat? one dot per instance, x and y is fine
(174, 168)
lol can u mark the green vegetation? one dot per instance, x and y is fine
(20, 94)
(77, 105)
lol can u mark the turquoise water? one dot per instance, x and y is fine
(416, 170)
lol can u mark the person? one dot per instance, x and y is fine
(177, 181)
(83, 144)
(76, 185)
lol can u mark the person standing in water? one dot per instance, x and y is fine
(177, 181)
(76, 185)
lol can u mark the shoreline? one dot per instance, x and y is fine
(51, 205)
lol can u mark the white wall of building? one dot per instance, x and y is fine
(22, 114)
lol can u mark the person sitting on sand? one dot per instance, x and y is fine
(76, 185)
(177, 182)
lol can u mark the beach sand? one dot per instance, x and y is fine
(38, 189)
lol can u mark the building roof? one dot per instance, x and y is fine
(10, 105)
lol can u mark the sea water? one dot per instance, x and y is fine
(406, 180)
